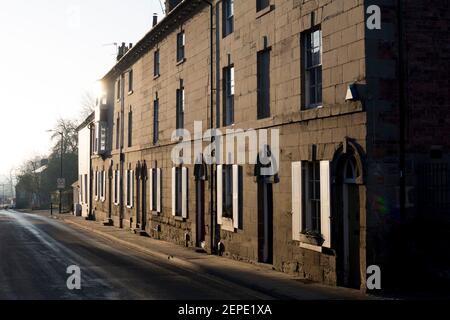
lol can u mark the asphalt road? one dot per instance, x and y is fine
(36, 251)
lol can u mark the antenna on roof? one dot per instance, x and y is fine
(115, 44)
(162, 7)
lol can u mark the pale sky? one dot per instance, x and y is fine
(51, 53)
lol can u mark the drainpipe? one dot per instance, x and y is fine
(121, 143)
(402, 110)
(211, 126)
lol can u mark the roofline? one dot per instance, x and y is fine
(88, 120)
(180, 13)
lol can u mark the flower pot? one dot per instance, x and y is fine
(311, 239)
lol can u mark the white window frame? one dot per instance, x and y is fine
(116, 183)
(325, 203)
(103, 186)
(228, 224)
(129, 178)
(156, 189)
(184, 192)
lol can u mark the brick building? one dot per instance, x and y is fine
(350, 120)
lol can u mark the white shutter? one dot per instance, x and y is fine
(151, 189)
(96, 186)
(325, 202)
(132, 189)
(236, 196)
(184, 196)
(296, 200)
(158, 190)
(174, 192)
(113, 184)
(219, 194)
(126, 189)
(104, 186)
(118, 187)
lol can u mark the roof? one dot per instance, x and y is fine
(41, 169)
(88, 120)
(183, 11)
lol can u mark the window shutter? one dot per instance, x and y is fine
(151, 189)
(296, 200)
(184, 196)
(174, 198)
(118, 187)
(104, 186)
(132, 189)
(236, 196)
(158, 190)
(219, 194)
(325, 202)
(127, 199)
(96, 185)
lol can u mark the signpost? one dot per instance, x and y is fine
(61, 183)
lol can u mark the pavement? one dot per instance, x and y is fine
(36, 249)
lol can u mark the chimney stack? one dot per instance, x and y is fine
(155, 20)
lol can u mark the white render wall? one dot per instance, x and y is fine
(84, 168)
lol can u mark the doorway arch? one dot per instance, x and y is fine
(348, 215)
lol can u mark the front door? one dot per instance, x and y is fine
(265, 222)
(347, 230)
(200, 210)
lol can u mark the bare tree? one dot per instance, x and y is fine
(68, 128)
(88, 102)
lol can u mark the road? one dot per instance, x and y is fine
(35, 252)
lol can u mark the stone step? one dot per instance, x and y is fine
(140, 232)
(108, 223)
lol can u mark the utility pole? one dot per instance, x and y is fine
(61, 166)
(61, 173)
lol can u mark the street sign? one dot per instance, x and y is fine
(61, 183)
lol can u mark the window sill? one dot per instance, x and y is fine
(311, 247)
(156, 76)
(130, 92)
(228, 225)
(264, 11)
(178, 218)
(180, 62)
(155, 213)
(129, 207)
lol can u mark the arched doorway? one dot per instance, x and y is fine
(346, 216)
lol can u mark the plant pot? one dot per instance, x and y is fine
(311, 239)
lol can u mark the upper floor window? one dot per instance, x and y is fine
(312, 62)
(263, 75)
(130, 81)
(262, 4)
(228, 17)
(130, 128)
(118, 132)
(181, 42)
(118, 89)
(228, 99)
(180, 106)
(156, 119)
(156, 64)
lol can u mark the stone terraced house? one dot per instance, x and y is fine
(357, 149)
